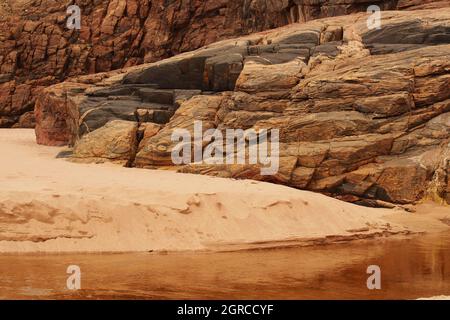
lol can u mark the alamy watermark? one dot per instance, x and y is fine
(236, 147)
(74, 280)
(74, 20)
(374, 20)
(374, 281)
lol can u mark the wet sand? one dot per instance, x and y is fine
(247, 236)
(53, 205)
(417, 267)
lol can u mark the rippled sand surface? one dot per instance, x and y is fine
(48, 204)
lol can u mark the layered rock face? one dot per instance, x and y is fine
(37, 49)
(363, 115)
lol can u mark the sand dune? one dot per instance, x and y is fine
(52, 205)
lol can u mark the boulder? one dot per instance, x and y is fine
(114, 141)
(37, 50)
(363, 115)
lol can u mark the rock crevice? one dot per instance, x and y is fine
(363, 115)
(37, 50)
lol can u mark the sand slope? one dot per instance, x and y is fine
(52, 205)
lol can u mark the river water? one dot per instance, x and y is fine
(410, 268)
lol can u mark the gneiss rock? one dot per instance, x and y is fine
(37, 50)
(363, 115)
(114, 141)
(93, 101)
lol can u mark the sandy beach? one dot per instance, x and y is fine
(49, 204)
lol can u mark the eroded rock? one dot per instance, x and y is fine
(114, 141)
(360, 124)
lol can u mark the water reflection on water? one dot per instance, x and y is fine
(411, 268)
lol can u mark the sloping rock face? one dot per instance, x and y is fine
(37, 50)
(114, 141)
(363, 115)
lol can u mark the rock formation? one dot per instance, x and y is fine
(37, 50)
(364, 115)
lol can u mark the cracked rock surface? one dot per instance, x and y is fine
(364, 115)
(37, 50)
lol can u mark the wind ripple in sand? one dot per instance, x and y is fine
(52, 205)
(183, 222)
